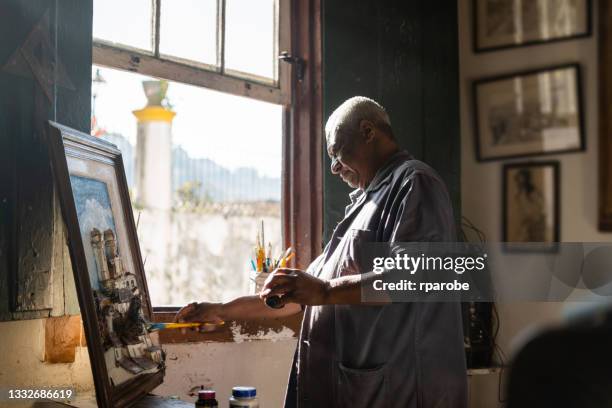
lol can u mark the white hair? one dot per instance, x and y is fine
(347, 117)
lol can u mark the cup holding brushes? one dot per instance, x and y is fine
(263, 263)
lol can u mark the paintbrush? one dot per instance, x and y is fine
(282, 262)
(151, 327)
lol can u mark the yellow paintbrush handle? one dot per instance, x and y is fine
(283, 262)
(189, 325)
(181, 325)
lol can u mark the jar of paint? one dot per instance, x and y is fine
(206, 398)
(244, 397)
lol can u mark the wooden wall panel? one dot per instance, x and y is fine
(45, 73)
(404, 54)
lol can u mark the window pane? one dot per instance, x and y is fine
(123, 22)
(250, 36)
(225, 165)
(188, 29)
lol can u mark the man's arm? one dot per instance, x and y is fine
(298, 287)
(242, 308)
(251, 307)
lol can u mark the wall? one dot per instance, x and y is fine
(35, 35)
(404, 55)
(263, 364)
(23, 354)
(481, 182)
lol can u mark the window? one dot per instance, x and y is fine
(225, 163)
(240, 149)
(227, 45)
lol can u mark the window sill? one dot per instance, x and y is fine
(232, 332)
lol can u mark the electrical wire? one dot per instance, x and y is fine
(466, 224)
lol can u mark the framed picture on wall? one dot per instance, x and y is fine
(605, 113)
(500, 24)
(529, 113)
(126, 360)
(531, 203)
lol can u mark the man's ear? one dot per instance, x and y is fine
(366, 128)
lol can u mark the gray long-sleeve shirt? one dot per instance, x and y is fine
(393, 355)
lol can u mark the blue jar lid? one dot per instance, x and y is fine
(244, 392)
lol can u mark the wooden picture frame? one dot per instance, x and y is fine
(529, 113)
(531, 205)
(93, 191)
(496, 25)
(605, 116)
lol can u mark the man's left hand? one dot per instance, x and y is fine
(295, 286)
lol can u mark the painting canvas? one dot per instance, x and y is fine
(532, 113)
(126, 360)
(531, 202)
(94, 212)
(508, 23)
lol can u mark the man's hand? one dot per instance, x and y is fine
(202, 313)
(295, 286)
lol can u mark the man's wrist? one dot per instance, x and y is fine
(343, 290)
(220, 310)
(327, 292)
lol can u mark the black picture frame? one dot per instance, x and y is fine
(477, 24)
(510, 243)
(65, 143)
(580, 142)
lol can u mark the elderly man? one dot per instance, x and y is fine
(352, 354)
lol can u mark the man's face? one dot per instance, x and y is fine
(343, 153)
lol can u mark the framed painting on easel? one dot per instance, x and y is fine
(108, 270)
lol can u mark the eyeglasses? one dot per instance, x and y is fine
(335, 161)
(335, 158)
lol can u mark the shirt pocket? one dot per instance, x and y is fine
(354, 251)
(361, 387)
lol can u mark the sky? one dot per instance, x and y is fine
(233, 131)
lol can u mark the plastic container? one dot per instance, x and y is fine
(206, 398)
(244, 397)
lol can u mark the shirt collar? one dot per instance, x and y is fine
(355, 195)
(385, 172)
(381, 176)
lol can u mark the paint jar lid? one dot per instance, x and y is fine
(206, 394)
(244, 392)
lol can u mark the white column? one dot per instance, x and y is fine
(154, 158)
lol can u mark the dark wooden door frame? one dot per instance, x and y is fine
(303, 181)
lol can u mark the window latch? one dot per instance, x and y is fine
(298, 62)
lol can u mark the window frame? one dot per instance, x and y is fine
(299, 30)
(216, 77)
